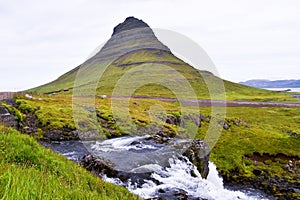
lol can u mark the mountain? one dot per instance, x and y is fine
(260, 83)
(133, 44)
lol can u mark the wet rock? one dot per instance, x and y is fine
(3, 111)
(280, 187)
(198, 152)
(7, 119)
(174, 194)
(56, 135)
(162, 137)
(60, 135)
(98, 166)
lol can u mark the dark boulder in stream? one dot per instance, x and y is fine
(98, 166)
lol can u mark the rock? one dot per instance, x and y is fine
(296, 190)
(162, 137)
(280, 187)
(3, 111)
(98, 166)
(196, 119)
(225, 125)
(203, 118)
(7, 119)
(257, 172)
(129, 24)
(171, 119)
(60, 135)
(198, 153)
(56, 135)
(175, 194)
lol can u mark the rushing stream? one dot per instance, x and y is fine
(170, 174)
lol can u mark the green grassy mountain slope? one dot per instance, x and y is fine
(130, 60)
(134, 44)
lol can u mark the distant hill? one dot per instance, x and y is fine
(261, 83)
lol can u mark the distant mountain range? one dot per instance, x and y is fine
(261, 83)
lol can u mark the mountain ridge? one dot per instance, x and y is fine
(263, 83)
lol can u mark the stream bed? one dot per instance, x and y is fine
(170, 174)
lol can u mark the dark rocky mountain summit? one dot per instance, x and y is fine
(128, 24)
(131, 35)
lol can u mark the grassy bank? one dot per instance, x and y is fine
(30, 171)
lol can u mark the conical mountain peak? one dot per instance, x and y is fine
(128, 24)
(131, 35)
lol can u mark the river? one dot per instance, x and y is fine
(169, 173)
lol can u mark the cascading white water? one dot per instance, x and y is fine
(169, 171)
(177, 176)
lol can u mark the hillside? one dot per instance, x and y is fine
(30, 171)
(132, 45)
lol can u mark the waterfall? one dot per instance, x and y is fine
(170, 174)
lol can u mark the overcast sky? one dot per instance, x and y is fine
(41, 40)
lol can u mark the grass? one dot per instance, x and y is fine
(268, 133)
(266, 130)
(30, 171)
(148, 68)
(263, 130)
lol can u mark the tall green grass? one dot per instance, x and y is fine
(30, 171)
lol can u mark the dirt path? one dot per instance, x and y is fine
(219, 103)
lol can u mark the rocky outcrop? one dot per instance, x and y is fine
(98, 166)
(161, 137)
(63, 135)
(198, 153)
(102, 167)
(282, 188)
(8, 119)
(129, 24)
(285, 186)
